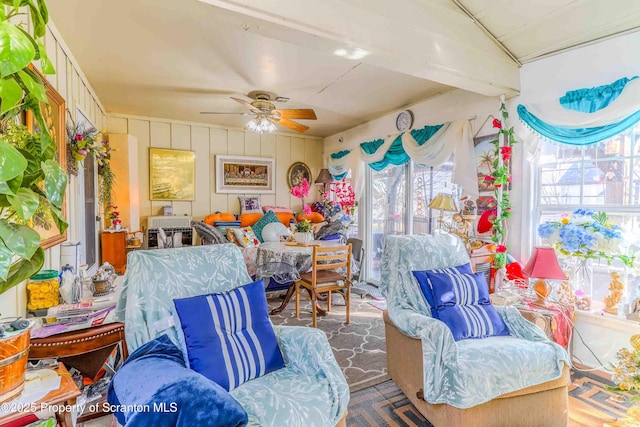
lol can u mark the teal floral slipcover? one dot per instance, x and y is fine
(309, 391)
(472, 371)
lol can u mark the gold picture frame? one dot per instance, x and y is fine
(296, 173)
(243, 174)
(54, 116)
(172, 174)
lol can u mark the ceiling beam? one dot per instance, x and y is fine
(431, 39)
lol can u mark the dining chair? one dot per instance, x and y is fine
(330, 271)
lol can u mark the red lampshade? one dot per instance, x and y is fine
(543, 264)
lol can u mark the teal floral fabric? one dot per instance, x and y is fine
(310, 391)
(468, 372)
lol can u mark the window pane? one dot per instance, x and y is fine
(387, 210)
(427, 183)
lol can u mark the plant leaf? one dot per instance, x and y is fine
(22, 270)
(16, 49)
(22, 240)
(58, 218)
(12, 186)
(45, 62)
(44, 11)
(25, 203)
(10, 94)
(55, 182)
(34, 85)
(12, 162)
(39, 24)
(5, 259)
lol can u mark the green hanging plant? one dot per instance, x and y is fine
(32, 184)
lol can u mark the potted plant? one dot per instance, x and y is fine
(303, 232)
(32, 184)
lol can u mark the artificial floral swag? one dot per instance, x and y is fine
(83, 141)
(500, 177)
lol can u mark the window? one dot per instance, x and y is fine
(391, 192)
(604, 177)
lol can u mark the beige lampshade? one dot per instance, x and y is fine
(444, 202)
(324, 177)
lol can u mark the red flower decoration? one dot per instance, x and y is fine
(500, 249)
(79, 137)
(497, 124)
(489, 178)
(506, 153)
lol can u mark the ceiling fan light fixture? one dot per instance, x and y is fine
(260, 125)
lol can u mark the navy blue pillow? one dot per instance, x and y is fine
(458, 289)
(425, 285)
(472, 321)
(228, 336)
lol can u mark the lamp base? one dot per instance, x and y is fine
(541, 289)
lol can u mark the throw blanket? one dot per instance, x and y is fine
(330, 229)
(208, 234)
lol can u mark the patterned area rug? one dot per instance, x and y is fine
(590, 404)
(359, 347)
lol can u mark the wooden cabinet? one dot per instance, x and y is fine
(114, 249)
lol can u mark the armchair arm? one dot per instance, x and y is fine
(519, 326)
(307, 350)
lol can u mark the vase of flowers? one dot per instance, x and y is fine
(301, 191)
(580, 237)
(626, 370)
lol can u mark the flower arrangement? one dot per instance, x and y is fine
(303, 226)
(83, 142)
(301, 191)
(343, 208)
(585, 234)
(114, 216)
(500, 177)
(626, 370)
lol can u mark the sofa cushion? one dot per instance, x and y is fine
(231, 236)
(246, 237)
(472, 321)
(219, 216)
(248, 219)
(314, 217)
(267, 218)
(458, 288)
(285, 218)
(228, 336)
(425, 285)
(277, 209)
(250, 204)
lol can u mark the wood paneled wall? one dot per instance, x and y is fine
(74, 87)
(207, 141)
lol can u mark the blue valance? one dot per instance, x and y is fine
(586, 116)
(340, 154)
(596, 98)
(396, 154)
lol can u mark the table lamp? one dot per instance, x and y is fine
(543, 265)
(444, 202)
(324, 178)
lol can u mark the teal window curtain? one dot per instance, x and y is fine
(594, 99)
(337, 169)
(586, 116)
(396, 155)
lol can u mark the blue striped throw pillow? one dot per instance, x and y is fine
(425, 285)
(228, 336)
(462, 302)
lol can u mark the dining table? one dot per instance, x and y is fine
(293, 254)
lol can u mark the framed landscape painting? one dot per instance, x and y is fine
(241, 174)
(172, 174)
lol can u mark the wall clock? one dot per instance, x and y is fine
(404, 120)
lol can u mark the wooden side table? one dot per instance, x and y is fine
(85, 350)
(113, 247)
(61, 399)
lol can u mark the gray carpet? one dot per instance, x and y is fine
(359, 347)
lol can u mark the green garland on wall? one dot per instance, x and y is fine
(501, 180)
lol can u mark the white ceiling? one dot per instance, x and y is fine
(175, 58)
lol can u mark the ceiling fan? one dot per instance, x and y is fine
(266, 115)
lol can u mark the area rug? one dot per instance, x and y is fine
(379, 304)
(590, 404)
(359, 347)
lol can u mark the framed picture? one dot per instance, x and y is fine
(172, 174)
(241, 174)
(54, 117)
(485, 156)
(296, 173)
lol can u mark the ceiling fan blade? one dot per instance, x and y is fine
(215, 112)
(246, 104)
(303, 114)
(291, 124)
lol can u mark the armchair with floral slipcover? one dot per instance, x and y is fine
(310, 390)
(519, 379)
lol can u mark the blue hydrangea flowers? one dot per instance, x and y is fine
(585, 234)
